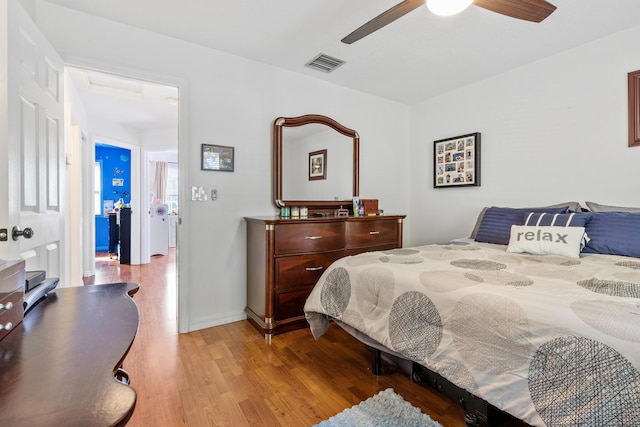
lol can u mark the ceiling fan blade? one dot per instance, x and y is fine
(383, 19)
(528, 10)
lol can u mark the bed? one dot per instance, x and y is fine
(545, 328)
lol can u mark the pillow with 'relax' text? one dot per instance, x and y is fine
(549, 234)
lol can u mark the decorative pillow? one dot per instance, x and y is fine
(614, 233)
(570, 206)
(496, 223)
(560, 220)
(546, 240)
(596, 207)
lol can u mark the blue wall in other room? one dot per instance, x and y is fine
(116, 165)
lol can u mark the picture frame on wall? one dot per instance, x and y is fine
(318, 165)
(217, 158)
(456, 161)
(634, 108)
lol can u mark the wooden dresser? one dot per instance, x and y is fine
(286, 257)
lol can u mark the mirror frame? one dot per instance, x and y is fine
(313, 205)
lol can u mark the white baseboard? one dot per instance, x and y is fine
(218, 320)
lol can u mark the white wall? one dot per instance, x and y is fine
(107, 129)
(552, 131)
(160, 138)
(228, 100)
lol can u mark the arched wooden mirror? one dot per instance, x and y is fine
(315, 163)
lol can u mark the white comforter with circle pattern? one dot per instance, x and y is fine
(552, 340)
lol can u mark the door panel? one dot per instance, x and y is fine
(29, 156)
(53, 163)
(31, 168)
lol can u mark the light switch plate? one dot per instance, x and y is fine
(199, 194)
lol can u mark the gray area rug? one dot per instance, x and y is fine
(385, 409)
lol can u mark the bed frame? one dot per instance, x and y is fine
(479, 413)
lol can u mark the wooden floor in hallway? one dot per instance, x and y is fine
(230, 376)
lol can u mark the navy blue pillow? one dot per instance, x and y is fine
(496, 222)
(614, 233)
(559, 220)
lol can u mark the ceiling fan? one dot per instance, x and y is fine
(528, 10)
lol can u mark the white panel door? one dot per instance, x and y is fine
(31, 160)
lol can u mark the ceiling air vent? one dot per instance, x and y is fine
(324, 63)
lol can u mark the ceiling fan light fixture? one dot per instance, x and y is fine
(447, 7)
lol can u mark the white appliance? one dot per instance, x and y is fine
(158, 229)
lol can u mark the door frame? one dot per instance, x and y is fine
(182, 247)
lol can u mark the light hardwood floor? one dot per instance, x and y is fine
(230, 376)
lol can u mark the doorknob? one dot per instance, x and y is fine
(16, 232)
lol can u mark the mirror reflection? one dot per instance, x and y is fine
(298, 142)
(297, 145)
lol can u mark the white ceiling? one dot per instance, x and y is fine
(412, 59)
(132, 103)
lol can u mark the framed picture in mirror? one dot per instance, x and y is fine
(318, 165)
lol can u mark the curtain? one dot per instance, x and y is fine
(159, 177)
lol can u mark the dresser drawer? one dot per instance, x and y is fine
(300, 238)
(303, 269)
(289, 304)
(361, 234)
(11, 277)
(12, 316)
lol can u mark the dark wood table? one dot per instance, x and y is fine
(57, 367)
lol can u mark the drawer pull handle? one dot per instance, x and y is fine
(313, 237)
(374, 232)
(8, 306)
(7, 326)
(314, 268)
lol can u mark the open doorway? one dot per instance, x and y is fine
(140, 118)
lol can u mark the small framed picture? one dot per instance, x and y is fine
(456, 161)
(318, 165)
(217, 158)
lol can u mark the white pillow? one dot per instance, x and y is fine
(546, 240)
